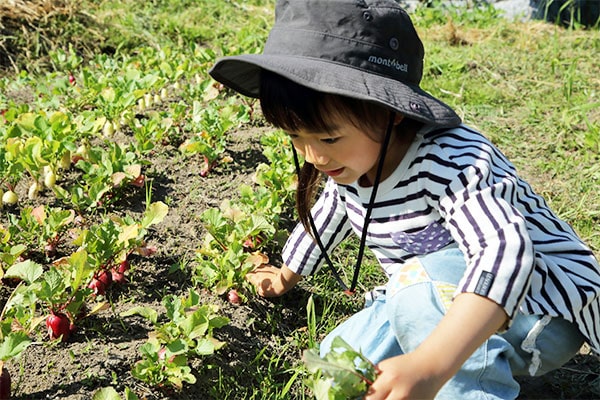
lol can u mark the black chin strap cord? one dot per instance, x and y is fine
(363, 238)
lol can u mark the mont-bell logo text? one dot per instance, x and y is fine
(389, 62)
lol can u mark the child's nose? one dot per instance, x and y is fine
(315, 155)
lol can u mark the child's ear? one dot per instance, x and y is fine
(398, 118)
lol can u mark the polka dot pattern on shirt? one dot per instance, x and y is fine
(428, 240)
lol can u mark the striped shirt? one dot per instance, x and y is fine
(455, 189)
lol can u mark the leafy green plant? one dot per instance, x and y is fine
(63, 290)
(109, 244)
(150, 132)
(210, 138)
(37, 145)
(13, 341)
(60, 292)
(231, 247)
(187, 333)
(164, 365)
(109, 393)
(40, 229)
(132, 74)
(343, 373)
(9, 251)
(276, 181)
(239, 231)
(106, 174)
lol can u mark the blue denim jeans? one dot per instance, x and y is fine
(415, 299)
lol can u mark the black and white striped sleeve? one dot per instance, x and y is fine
(301, 253)
(478, 206)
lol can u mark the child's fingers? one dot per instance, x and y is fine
(262, 279)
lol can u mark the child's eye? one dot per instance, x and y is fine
(330, 140)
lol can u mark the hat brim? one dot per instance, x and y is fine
(242, 74)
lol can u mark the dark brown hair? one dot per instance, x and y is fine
(293, 107)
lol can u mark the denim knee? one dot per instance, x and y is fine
(418, 296)
(542, 343)
(367, 331)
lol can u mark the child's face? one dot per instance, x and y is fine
(345, 152)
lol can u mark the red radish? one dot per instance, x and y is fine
(117, 277)
(145, 250)
(97, 286)
(100, 282)
(104, 277)
(207, 166)
(123, 267)
(58, 325)
(251, 242)
(234, 297)
(82, 153)
(4, 383)
(162, 353)
(118, 273)
(50, 250)
(139, 181)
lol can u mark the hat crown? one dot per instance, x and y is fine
(376, 36)
(368, 50)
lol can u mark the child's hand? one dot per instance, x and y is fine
(271, 281)
(403, 377)
(421, 373)
(263, 278)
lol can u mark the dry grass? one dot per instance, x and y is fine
(456, 34)
(30, 11)
(27, 31)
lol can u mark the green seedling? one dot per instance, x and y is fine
(109, 393)
(343, 373)
(187, 333)
(210, 141)
(106, 175)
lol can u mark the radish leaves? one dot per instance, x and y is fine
(342, 373)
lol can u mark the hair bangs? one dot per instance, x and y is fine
(292, 107)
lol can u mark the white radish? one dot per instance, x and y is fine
(10, 197)
(33, 191)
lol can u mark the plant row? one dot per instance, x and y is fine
(68, 160)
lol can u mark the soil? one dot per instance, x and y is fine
(103, 350)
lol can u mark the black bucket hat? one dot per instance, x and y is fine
(362, 49)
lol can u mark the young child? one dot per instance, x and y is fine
(485, 281)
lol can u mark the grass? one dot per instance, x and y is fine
(532, 87)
